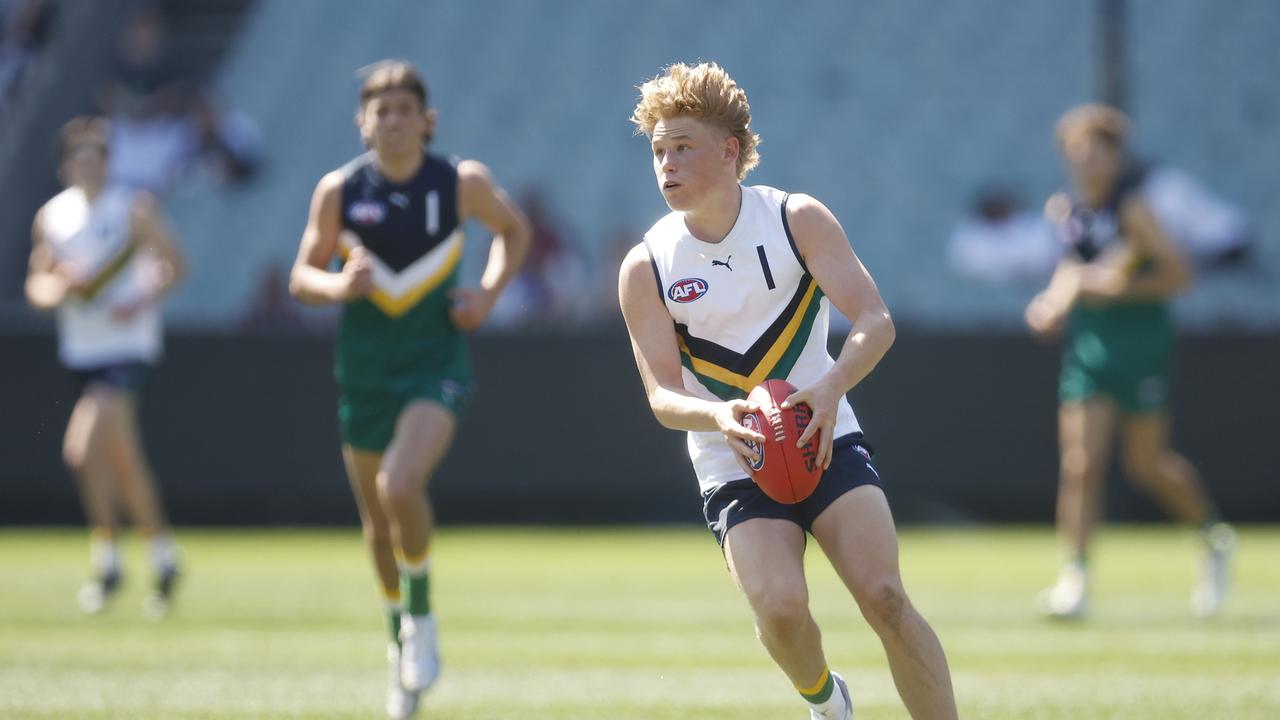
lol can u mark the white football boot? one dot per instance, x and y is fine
(95, 596)
(1068, 599)
(419, 655)
(1211, 590)
(845, 713)
(401, 704)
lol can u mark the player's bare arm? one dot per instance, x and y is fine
(480, 198)
(45, 287)
(156, 237)
(653, 340)
(1047, 312)
(310, 281)
(1170, 271)
(847, 284)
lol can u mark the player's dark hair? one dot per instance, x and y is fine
(392, 75)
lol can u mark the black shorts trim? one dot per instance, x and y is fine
(128, 376)
(739, 500)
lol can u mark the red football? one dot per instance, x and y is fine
(784, 472)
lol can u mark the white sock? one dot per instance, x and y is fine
(417, 569)
(104, 556)
(833, 706)
(164, 553)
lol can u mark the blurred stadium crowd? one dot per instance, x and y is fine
(231, 109)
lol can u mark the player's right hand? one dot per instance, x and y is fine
(729, 421)
(357, 274)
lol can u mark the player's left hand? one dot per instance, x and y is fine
(823, 398)
(470, 307)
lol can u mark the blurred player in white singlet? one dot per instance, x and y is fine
(103, 258)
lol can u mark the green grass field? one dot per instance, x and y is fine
(626, 625)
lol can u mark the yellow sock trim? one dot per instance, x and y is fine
(391, 595)
(822, 681)
(412, 561)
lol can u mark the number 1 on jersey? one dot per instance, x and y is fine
(764, 265)
(433, 212)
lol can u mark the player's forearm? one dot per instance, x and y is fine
(506, 255)
(869, 339)
(315, 286)
(679, 411)
(1155, 287)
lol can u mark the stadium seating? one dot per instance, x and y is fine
(891, 112)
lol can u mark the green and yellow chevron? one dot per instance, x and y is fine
(731, 375)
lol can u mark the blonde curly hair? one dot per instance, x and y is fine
(707, 93)
(1093, 120)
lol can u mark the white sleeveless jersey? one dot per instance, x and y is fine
(96, 242)
(746, 310)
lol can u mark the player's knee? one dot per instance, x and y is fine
(395, 487)
(883, 602)
(780, 611)
(75, 455)
(77, 451)
(1078, 465)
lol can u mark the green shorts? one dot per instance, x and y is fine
(367, 416)
(1121, 352)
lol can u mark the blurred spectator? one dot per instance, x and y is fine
(161, 123)
(551, 286)
(618, 243)
(272, 308)
(24, 30)
(1213, 232)
(1002, 242)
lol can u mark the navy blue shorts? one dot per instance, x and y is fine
(740, 500)
(128, 376)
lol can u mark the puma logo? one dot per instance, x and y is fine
(723, 262)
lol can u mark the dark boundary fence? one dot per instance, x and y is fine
(242, 431)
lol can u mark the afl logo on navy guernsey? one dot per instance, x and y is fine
(751, 422)
(687, 290)
(367, 212)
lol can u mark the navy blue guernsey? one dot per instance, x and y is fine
(400, 222)
(400, 336)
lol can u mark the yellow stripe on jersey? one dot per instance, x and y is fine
(762, 369)
(109, 270)
(397, 305)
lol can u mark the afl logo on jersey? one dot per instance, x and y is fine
(687, 290)
(751, 422)
(367, 212)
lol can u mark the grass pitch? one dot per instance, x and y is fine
(624, 624)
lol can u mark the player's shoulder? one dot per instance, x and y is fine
(62, 200)
(804, 213)
(472, 172)
(767, 193)
(354, 166)
(140, 203)
(331, 183)
(636, 270)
